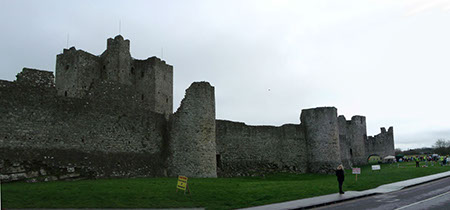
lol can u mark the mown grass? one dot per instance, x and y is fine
(219, 193)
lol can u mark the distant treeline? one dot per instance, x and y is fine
(441, 147)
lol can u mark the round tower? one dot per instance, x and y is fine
(193, 134)
(322, 139)
(357, 135)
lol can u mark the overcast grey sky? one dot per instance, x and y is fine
(388, 60)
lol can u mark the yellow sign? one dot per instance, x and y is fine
(182, 183)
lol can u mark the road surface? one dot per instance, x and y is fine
(432, 195)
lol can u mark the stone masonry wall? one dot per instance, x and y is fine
(381, 144)
(76, 70)
(193, 134)
(322, 139)
(116, 61)
(163, 86)
(344, 143)
(248, 150)
(36, 78)
(152, 79)
(105, 134)
(356, 136)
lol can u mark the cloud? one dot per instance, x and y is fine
(420, 6)
(420, 139)
(362, 57)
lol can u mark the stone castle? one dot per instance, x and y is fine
(111, 116)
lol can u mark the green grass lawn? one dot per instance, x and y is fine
(219, 193)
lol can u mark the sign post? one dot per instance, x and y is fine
(182, 184)
(376, 167)
(356, 171)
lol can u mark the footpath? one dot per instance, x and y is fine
(349, 195)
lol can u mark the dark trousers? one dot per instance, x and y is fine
(340, 186)
(417, 164)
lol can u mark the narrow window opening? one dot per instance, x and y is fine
(67, 67)
(142, 96)
(351, 153)
(65, 93)
(103, 73)
(132, 70)
(142, 74)
(167, 100)
(218, 161)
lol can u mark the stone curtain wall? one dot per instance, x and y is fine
(109, 132)
(356, 136)
(36, 78)
(381, 144)
(105, 134)
(193, 134)
(248, 150)
(345, 143)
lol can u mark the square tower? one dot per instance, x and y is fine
(151, 80)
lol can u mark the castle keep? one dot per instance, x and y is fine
(151, 80)
(111, 116)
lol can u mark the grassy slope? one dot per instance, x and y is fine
(220, 193)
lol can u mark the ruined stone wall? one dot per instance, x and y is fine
(322, 139)
(35, 78)
(344, 143)
(163, 86)
(117, 61)
(45, 136)
(76, 71)
(193, 134)
(357, 135)
(248, 150)
(152, 79)
(143, 78)
(381, 144)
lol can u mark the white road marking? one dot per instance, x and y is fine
(437, 196)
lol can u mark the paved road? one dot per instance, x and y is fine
(433, 195)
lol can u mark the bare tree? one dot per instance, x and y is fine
(442, 147)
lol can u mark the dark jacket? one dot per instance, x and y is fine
(340, 175)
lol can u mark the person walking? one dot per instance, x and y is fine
(417, 162)
(340, 177)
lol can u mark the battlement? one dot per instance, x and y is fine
(118, 43)
(358, 119)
